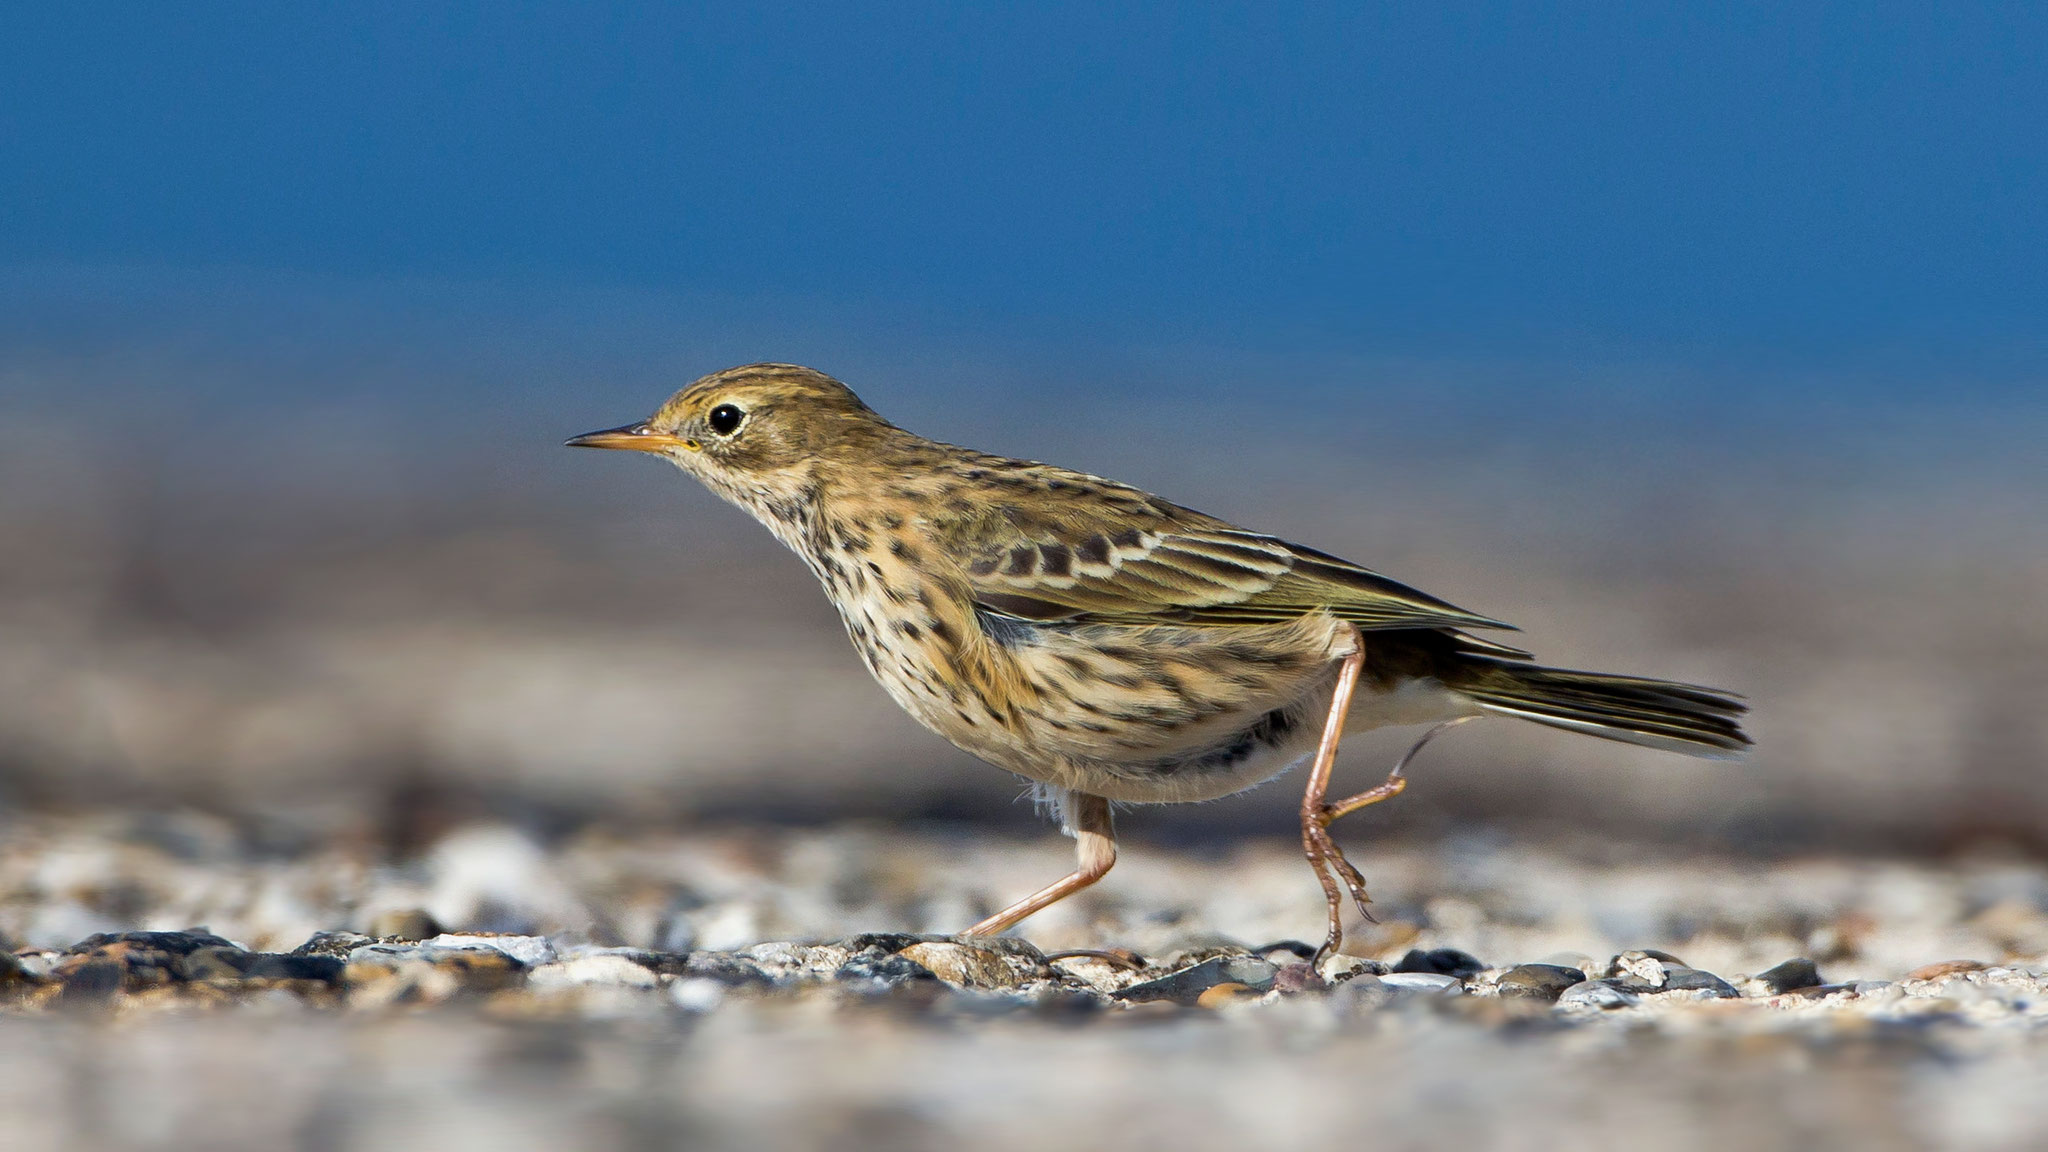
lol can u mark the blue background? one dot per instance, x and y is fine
(1849, 191)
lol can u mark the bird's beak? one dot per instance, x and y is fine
(631, 437)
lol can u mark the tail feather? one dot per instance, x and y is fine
(1653, 713)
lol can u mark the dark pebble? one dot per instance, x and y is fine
(231, 965)
(335, 944)
(1441, 961)
(1601, 993)
(285, 966)
(724, 967)
(891, 941)
(13, 975)
(1642, 970)
(1545, 982)
(214, 965)
(1301, 977)
(1678, 979)
(1065, 1004)
(1187, 985)
(171, 943)
(883, 969)
(1793, 974)
(91, 983)
(144, 959)
(1364, 992)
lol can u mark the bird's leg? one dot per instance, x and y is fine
(1395, 781)
(1322, 852)
(1094, 846)
(1326, 814)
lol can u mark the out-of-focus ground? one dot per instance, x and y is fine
(663, 996)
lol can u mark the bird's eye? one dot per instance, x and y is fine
(724, 419)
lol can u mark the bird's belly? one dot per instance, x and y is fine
(1249, 756)
(1141, 714)
(1159, 712)
(1273, 743)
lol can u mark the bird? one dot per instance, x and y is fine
(1108, 645)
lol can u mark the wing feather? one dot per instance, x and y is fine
(1152, 562)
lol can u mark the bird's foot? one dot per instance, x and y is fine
(1338, 877)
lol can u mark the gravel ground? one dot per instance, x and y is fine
(793, 988)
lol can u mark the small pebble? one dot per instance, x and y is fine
(1222, 995)
(697, 993)
(1341, 966)
(1302, 977)
(14, 975)
(1654, 954)
(531, 951)
(334, 944)
(1544, 982)
(215, 964)
(877, 970)
(1423, 982)
(39, 962)
(92, 982)
(1680, 979)
(1187, 985)
(605, 969)
(382, 974)
(724, 968)
(1643, 969)
(1943, 969)
(1798, 972)
(1364, 992)
(996, 963)
(142, 959)
(1442, 961)
(1602, 994)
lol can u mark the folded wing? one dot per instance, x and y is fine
(1156, 563)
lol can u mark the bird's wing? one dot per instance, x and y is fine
(1149, 562)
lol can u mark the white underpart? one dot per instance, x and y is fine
(1414, 702)
(1411, 702)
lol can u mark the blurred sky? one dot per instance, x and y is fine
(1851, 191)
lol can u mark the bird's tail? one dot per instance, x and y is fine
(1653, 713)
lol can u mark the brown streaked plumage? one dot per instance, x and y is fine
(1106, 643)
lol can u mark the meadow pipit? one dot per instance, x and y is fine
(1105, 643)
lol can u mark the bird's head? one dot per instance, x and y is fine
(751, 433)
